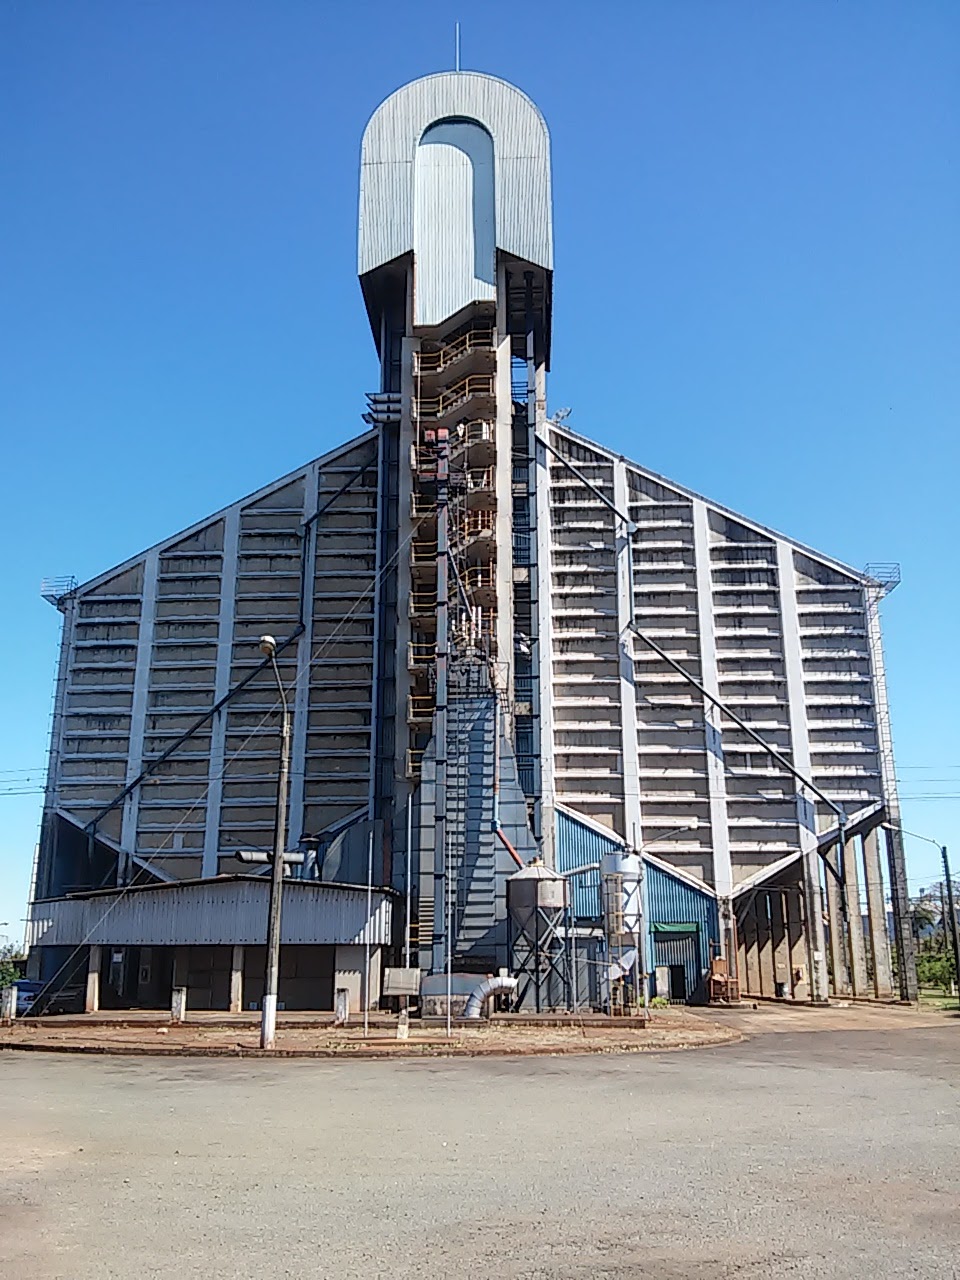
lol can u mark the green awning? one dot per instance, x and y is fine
(656, 927)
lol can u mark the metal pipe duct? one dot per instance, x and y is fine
(482, 993)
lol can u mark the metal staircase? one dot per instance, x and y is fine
(472, 872)
(460, 737)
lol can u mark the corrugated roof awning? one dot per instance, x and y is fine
(222, 911)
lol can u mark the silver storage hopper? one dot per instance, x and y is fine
(535, 888)
(620, 876)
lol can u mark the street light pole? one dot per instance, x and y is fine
(268, 1021)
(953, 913)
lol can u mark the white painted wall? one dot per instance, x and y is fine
(454, 222)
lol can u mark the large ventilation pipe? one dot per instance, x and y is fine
(482, 993)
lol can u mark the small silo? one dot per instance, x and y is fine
(537, 908)
(621, 880)
(620, 877)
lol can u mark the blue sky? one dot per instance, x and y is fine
(756, 287)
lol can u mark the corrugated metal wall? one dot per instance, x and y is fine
(670, 900)
(577, 844)
(522, 164)
(666, 900)
(214, 914)
(682, 950)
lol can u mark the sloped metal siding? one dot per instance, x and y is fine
(669, 900)
(521, 159)
(577, 844)
(212, 915)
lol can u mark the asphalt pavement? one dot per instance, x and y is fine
(832, 1153)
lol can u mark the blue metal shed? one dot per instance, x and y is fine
(682, 922)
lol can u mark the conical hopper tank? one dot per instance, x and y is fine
(535, 888)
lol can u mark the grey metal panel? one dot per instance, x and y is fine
(566, 433)
(478, 861)
(178, 635)
(216, 914)
(522, 164)
(281, 482)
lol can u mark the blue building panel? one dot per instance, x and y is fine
(681, 921)
(577, 845)
(668, 900)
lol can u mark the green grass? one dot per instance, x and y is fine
(935, 998)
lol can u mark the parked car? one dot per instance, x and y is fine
(34, 1000)
(27, 993)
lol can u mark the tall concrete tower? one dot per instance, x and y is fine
(498, 638)
(455, 262)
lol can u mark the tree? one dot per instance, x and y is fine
(11, 965)
(926, 917)
(936, 969)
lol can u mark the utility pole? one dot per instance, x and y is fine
(949, 904)
(271, 984)
(953, 913)
(943, 918)
(366, 953)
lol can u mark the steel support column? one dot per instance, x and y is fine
(218, 726)
(877, 916)
(838, 951)
(301, 689)
(857, 952)
(138, 714)
(903, 932)
(800, 748)
(712, 720)
(900, 901)
(633, 830)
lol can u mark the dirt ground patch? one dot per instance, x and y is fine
(666, 1029)
(766, 1017)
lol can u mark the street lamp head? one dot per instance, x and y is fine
(892, 826)
(268, 646)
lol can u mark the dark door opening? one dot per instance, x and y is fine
(678, 984)
(676, 948)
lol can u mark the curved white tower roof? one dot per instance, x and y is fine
(454, 167)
